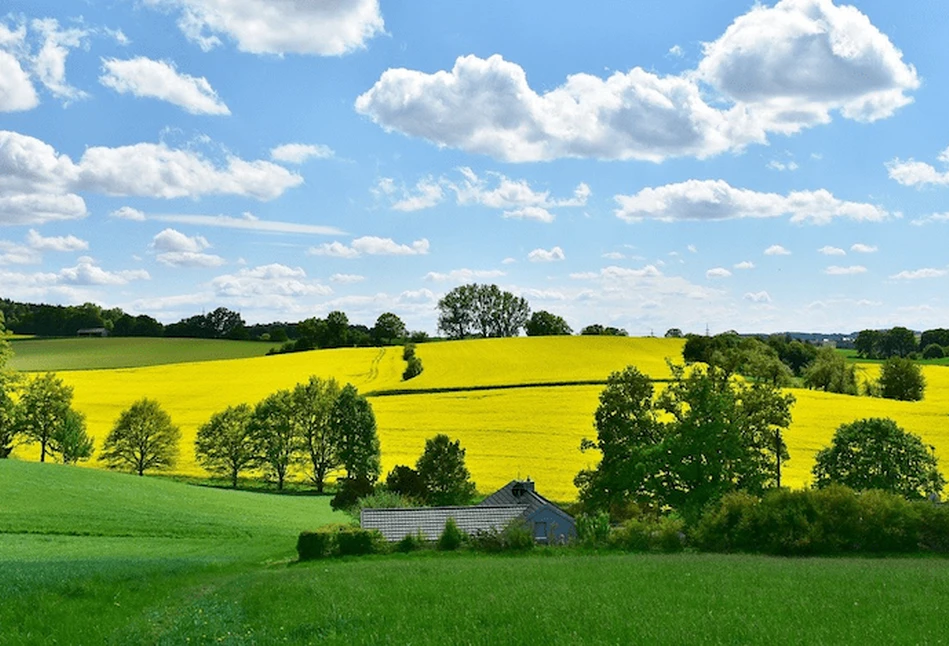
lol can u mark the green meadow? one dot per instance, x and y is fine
(94, 557)
(40, 355)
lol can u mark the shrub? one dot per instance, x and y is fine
(408, 351)
(451, 538)
(349, 491)
(933, 351)
(902, 379)
(414, 369)
(385, 500)
(889, 523)
(318, 544)
(407, 482)
(669, 534)
(410, 543)
(354, 541)
(729, 525)
(339, 540)
(644, 534)
(593, 530)
(516, 536)
(933, 527)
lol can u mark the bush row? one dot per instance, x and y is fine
(339, 540)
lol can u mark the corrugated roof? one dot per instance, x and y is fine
(396, 524)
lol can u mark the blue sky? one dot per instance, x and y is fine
(759, 167)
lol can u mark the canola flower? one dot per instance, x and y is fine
(522, 432)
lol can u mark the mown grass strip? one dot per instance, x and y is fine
(390, 392)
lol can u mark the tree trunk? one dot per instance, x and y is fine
(234, 478)
(42, 450)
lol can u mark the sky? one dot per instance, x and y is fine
(760, 167)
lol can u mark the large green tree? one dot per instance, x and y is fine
(444, 475)
(312, 414)
(484, 310)
(902, 379)
(70, 440)
(388, 329)
(875, 453)
(276, 435)
(143, 438)
(354, 427)
(543, 323)
(8, 426)
(225, 444)
(831, 373)
(707, 434)
(42, 408)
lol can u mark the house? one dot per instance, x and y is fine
(517, 500)
(92, 331)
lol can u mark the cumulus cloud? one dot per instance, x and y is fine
(463, 275)
(49, 64)
(299, 153)
(613, 255)
(852, 270)
(718, 272)
(918, 274)
(914, 173)
(87, 272)
(929, 219)
(428, 192)
(173, 240)
(828, 250)
(12, 253)
(38, 184)
(758, 297)
(279, 26)
(776, 250)
(347, 279)
(775, 70)
(544, 255)
(863, 248)
(16, 90)
(744, 264)
(371, 246)
(266, 281)
(55, 243)
(128, 213)
(717, 200)
(176, 249)
(144, 77)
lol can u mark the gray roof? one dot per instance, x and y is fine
(396, 524)
(518, 492)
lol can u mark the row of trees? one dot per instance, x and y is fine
(707, 435)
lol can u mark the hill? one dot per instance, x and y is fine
(41, 355)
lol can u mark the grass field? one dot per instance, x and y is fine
(40, 355)
(169, 563)
(532, 431)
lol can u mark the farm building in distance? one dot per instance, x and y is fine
(92, 331)
(517, 500)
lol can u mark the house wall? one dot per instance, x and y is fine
(559, 527)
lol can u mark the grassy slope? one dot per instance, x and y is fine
(38, 355)
(209, 586)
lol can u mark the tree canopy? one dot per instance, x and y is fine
(831, 373)
(143, 438)
(354, 427)
(441, 467)
(902, 379)
(482, 310)
(875, 453)
(224, 445)
(42, 409)
(543, 323)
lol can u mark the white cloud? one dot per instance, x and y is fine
(274, 280)
(852, 270)
(144, 77)
(797, 61)
(17, 254)
(828, 250)
(16, 91)
(775, 70)
(543, 255)
(509, 261)
(463, 275)
(929, 219)
(782, 166)
(744, 264)
(427, 193)
(692, 248)
(56, 243)
(530, 213)
(173, 240)
(863, 248)
(247, 223)
(918, 274)
(347, 279)
(87, 272)
(717, 200)
(914, 173)
(49, 64)
(613, 255)
(718, 272)
(299, 153)
(776, 250)
(280, 26)
(189, 259)
(128, 213)
(677, 51)
(758, 297)
(371, 246)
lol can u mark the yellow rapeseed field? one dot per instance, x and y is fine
(507, 433)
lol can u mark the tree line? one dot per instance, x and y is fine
(902, 342)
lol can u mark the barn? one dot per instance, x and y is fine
(517, 500)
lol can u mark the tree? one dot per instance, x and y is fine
(481, 309)
(276, 434)
(934, 351)
(70, 439)
(142, 438)
(830, 372)
(337, 330)
(388, 329)
(707, 434)
(543, 323)
(875, 453)
(406, 481)
(42, 409)
(902, 379)
(8, 422)
(443, 472)
(225, 445)
(312, 416)
(898, 342)
(673, 333)
(868, 343)
(456, 312)
(598, 330)
(354, 426)
(938, 336)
